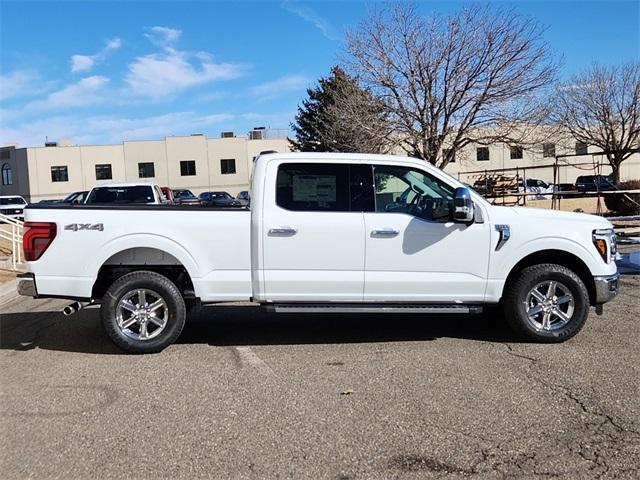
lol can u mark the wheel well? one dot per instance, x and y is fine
(559, 257)
(142, 258)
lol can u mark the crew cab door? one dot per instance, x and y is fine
(414, 252)
(313, 233)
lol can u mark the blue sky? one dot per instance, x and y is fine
(103, 72)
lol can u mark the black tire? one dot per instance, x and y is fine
(153, 283)
(515, 302)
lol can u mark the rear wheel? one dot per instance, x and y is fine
(143, 312)
(547, 303)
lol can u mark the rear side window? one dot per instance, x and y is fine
(326, 187)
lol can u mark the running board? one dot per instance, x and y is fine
(372, 308)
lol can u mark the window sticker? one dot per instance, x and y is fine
(314, 188)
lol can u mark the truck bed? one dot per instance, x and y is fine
(212, 244)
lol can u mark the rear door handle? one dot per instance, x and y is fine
(384, 233)
(283, 232)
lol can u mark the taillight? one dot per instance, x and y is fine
(37, 238)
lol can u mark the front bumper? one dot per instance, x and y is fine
(27, 285)
(606, 288)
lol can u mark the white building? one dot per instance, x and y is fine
(194, 162)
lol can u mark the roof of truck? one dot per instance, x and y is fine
(333, 156)
(125, 184)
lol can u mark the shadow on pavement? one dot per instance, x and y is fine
(250, 325)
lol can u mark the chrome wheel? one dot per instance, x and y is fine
(549, 305)
(142, 314)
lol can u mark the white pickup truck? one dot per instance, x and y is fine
(325, 233)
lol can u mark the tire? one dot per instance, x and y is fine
(535, 313)
(143, 312)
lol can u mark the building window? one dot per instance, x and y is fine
(515, 152)
(7, 174)
(548, 150)
(187, 168)
(581, 148)
(146, 170)
(59, 174)
(482, 154)
(228, 165)
(446, 152)
(103, 172)
(5, 154)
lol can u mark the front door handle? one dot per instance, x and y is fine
(282, 232)
(384, 233)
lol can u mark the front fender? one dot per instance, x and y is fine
(502, 265)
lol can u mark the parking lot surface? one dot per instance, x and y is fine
(246, 394)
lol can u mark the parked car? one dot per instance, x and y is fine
(167, 193)
(301, 248)
(537, 187)
(593, 183)
(74, 198)
(244, 198)
(185, 197)
(218, 199)
(12, 206)
(126, 193)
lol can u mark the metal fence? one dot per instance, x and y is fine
(13, 235)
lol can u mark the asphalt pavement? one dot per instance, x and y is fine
(247, 394)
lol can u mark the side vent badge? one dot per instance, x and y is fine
(505, 235)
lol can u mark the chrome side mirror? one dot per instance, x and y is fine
(463, 206)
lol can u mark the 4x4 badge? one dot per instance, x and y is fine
(84, 226)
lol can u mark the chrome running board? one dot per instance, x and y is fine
(372, 308)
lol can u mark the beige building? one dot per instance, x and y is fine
(574, 159)
(201, 164)
(194, 162)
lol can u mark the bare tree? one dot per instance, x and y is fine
(473, 77)
(601, 107)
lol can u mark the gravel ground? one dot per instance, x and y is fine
(245, 394)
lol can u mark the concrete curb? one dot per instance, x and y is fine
(8, 291)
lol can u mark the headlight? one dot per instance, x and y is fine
(605, 242)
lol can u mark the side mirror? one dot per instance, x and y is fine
(463, 206)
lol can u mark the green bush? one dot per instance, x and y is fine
(624, 203)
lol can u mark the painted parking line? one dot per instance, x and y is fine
(248, 358)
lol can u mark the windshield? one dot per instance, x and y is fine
(133, 194)
(12, 201)
(71, 197)
(183, 194)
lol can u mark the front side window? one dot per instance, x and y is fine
(187, 168)
(103, 171)
(146, 170)
(7, 174)
(228, 166)
(59, 174)
(327, 187)
(410, 191)
(482, 154)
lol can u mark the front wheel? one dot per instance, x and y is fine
(143, 312)
(547, 303)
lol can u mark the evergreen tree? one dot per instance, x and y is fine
(340, 116)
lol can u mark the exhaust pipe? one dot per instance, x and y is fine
(74, 307)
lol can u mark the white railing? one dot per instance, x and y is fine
(12, 231)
